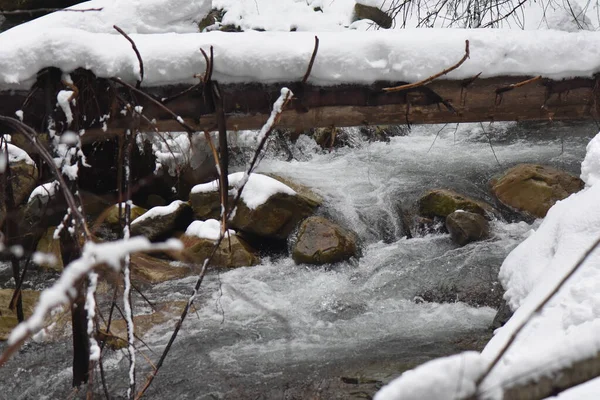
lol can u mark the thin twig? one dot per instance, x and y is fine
(490, 143)
(504, 89)
(432, 77)
(137, 54)
(312, 61)
(539, 308)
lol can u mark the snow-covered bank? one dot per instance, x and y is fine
(343, 57)
(568, 328)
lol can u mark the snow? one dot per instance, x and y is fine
(285, 15)
(156, 212)
(444, 378)
(63, 98)
(133, 16)
(257, 191)
(16, 155)
(568, 327)
(344, 57)
(209, 229)
(44, 192)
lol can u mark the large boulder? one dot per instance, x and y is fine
(233, 251)
(161, 221)
(534, 188)
(442, 202)
(321, 241)
(267, 207)
(466, 227)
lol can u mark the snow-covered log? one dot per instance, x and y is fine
(508, 75)
(247, 106)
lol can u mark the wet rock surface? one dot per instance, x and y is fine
(442, 202)
(321, 241)
(466, 227)
(534, 188)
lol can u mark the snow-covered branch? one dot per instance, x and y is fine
(64, 290)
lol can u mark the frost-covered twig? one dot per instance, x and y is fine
(263, 135)
(129, 139)
(65, 289)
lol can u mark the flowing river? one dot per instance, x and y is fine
(280, 330)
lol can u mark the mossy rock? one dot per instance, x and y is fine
(8, 318)
(466, 227)
(534, 188)
(321, 241)
(376, 15)
(49, 245)
(331, 137)
(154, 270)
(442, 202)
(215, 15)
(110, 217)
(24, 178)
(276, 218)
(232, 252)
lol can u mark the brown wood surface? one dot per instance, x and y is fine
(247, 106)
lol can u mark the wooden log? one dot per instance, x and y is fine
(247, 106)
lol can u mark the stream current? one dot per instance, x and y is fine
(280, 330)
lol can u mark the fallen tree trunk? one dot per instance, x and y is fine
(247, 106)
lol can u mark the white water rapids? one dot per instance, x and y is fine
(262, 330)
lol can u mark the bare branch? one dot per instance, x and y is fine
(312, 61)
(137, 53)
(432, 77)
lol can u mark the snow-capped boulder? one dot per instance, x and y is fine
(321, 241)
(200, 238)
(267, 207)
(160, 221)
(534, 188)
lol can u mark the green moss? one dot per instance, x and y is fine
(442, 202)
